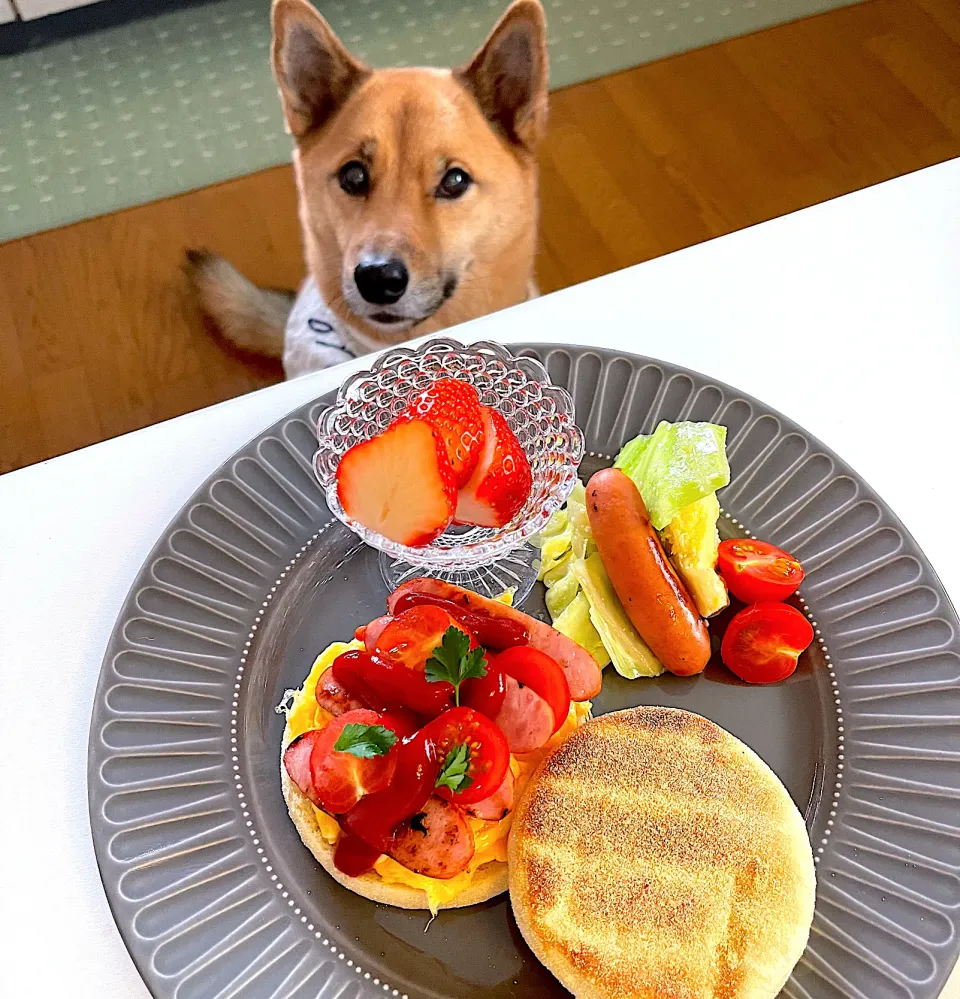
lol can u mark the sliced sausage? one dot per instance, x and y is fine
(498, 805)
(579, 667)
(655, 600)
(436, 842)
(296, 761)
(373, 631)
(332, 696)
(525, 718)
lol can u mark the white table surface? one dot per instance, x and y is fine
(845, 316)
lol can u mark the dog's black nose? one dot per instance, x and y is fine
(383, 282)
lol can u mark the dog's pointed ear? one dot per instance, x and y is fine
(508, 75)
(314, 72)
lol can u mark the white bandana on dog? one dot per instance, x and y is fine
(315, 338)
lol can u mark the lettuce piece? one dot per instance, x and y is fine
(561, 593)
(630, 654)
(581, 537)
(553, 549)
(560, 569)
(555, 525)
(575, 622)
(676, 465)
(581, 600)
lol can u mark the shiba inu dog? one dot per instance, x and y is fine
(417, 191)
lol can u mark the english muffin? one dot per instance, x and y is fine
(653, 854)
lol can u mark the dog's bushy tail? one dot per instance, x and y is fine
(251, 318)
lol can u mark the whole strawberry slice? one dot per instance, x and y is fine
(452, 408)
(501, 482)
(399, 483)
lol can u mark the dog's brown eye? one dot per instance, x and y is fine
(454, 184)
(354, 179)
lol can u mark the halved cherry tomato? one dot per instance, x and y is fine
(402, 720)
(341, 779)
(756, 570)
(491, 632)
(382, 682)
(763, 642)
(489, 752)
(486, 693)
(411, 637)
(535, 669)
(374, 817)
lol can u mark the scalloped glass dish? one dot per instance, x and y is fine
(539, 413)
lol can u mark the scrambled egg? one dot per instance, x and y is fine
(490, 838)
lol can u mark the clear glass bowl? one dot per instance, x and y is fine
(540, 414)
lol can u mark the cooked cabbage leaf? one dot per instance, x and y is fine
(581, 600)
(629, 653)
(575, 621)
(676, 465)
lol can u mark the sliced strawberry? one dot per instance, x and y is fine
(501, 482)
(452, 408)
(399, 483)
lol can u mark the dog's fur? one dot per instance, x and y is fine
(465, 257)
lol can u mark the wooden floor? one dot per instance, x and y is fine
(98, 338)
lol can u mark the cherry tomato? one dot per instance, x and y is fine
(402, 720)
(756, 570)
(535, 669)
(491, 632)
(486, 693)
(411, 637)
(489, 752)
(341, 779)
(374, 817)
(382, 682)
(763, 642)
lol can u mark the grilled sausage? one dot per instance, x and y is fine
(296, 761)
(436, 842)
(332, 696)
(654, 598)
(373, 631)
(499, 804)
(525, 718)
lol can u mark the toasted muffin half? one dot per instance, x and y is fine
(653, 854)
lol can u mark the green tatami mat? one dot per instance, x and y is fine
(173, 102)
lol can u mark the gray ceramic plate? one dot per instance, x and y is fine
(216, 896)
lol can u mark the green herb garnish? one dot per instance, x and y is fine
(365, 741)
(453, 661)
(454, 771)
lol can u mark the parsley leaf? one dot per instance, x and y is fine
(454, 661)
(365, 741)
(454, 771)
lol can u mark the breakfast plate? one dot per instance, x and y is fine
(215, 895)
